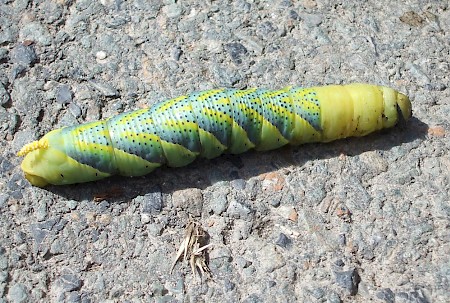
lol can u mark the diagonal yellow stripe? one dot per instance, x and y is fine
(169, 103)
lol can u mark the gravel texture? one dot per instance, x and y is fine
(356, 220)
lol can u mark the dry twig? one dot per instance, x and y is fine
(193, 248)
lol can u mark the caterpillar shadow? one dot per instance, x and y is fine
(203, 173)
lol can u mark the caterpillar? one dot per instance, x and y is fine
(207, 124)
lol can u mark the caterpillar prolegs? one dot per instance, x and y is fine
(207, 124)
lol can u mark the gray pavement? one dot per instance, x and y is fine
(355, 220)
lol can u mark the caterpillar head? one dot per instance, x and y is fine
(397, 107)
(404, 110)
(46, 162)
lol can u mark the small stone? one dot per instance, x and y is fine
(4, 96)
(17, 71)
(238, 210)
(342, 239)
(339, 263)
(283, 241)
(109, 3)
(67, 120)
(73, 297)
(75, 110)
(253, 188)
(172, 10)
(285, 211)
(151, 203)
(418, 73)
(3, 262)
(412, 18)
(318, 293)
(433, 131)
(52, 11)
(416, 296)
(100, 55)
(145, 218)
(224, 77)
(41, 211)
(190, 200)
(387, 295)
(116, 292)
(158, 289)
(348, 280)
(176, 53)
(3, 54)
(20, 237)
(263, 29)
(35, 31)
(253, 298)
(5, 165)
(251, 43)
(103, 206)
(178, 288)
(105, 219)
(236, 51)
(59, 225)
(275, 199)
(69, 282)
(95, 234)
(248, 273)
(270, 259)
(238, 184)
(218, 252)
(228, 285)
(117, 21)
(215, 46)
(103, 88)
(309, 4)
(293, 15)
(3, 277)
(155, 229)
(293, 215)
(24, 55)
(63, 94)
(334, 298)
(3, 200)
(273, 182)
(18, 293)
(312, 20)
(38, 233)
(90, 217)
(242, 262)
(56, 247)
(436, 86)
(219, 203)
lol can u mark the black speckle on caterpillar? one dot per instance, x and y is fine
(207, 124)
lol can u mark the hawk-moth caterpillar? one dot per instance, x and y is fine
(207, 124)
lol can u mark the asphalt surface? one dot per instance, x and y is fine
(355, 220)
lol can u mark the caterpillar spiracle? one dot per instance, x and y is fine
(207, 124)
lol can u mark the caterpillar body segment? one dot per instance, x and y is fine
(207, 124)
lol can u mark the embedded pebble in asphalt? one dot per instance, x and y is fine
(356, 220)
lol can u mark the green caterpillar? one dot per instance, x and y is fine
(208, 124)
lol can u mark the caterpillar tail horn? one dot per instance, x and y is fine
(27, 164)
(47, 162)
